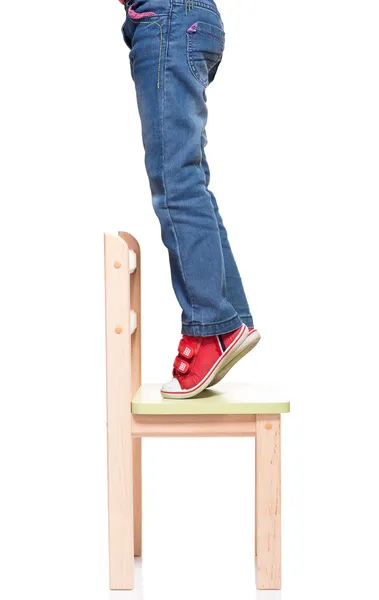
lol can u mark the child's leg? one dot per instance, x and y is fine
(234, 288)
(173, 52)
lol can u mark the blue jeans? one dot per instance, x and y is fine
(176, 48)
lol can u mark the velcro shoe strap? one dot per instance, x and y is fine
(185, 350)
(181, 365)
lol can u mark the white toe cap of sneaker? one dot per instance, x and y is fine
(171, 386)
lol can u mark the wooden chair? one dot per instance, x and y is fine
(135, 411)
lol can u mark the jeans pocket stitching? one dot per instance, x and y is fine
(191, 62)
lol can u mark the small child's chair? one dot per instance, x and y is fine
(135, 411)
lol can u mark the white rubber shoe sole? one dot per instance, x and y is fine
(172, 388)
(248, 344)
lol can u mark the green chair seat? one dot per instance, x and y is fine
(225, 399)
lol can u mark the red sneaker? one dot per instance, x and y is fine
(199, 361)
(248, 344)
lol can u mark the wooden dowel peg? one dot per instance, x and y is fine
(133, 321)
(132, 261)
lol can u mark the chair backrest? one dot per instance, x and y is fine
(122, 259)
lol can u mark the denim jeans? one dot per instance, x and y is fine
(176, 48)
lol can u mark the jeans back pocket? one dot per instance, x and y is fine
(205, 46)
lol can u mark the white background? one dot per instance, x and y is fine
(293, 134)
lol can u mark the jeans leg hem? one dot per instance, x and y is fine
(213, 328)
(248, 321)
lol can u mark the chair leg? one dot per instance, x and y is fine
(255, 530)
(120, 502)
(268, 502)
(137, 495)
